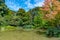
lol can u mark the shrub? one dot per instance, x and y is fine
(8, 28)
(52, 32)
(28, 27)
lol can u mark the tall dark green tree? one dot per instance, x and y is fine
(3, 8)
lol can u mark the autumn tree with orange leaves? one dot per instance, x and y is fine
(52, 7)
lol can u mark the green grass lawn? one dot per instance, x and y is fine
(19, 35)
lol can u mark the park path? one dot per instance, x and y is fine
(17, 35)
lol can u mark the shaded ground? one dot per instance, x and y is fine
(17, 35)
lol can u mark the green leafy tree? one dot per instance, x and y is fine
(33, 12)
(13, 20)
(57, 20)
(24, 16)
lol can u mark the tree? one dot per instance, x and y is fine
(52, 6)
(57, 20)
(3, 8)
(24, 16)
(37, 17)
(33, 12)
(20, 12)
